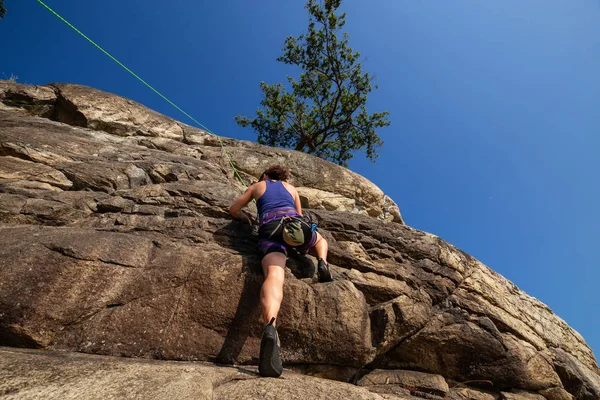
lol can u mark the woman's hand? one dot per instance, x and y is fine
(236, 208)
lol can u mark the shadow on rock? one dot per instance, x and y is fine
(245, 323)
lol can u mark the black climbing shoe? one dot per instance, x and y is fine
(269, 363)
(323, 271)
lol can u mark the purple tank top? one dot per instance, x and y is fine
(276, 196)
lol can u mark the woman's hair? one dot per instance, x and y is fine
(277, 172)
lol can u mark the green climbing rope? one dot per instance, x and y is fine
(149, 86)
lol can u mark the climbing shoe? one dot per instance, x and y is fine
(269, 363)
(323, 271)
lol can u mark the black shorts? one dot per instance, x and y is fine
(275, 243)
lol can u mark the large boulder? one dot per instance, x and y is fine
(31, 374)
(115, 239)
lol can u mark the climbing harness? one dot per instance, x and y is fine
(291, 228)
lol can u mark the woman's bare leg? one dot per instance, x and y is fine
(320, 248)
(271, 293)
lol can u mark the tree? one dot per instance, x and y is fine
(325, 113)
(2, 9)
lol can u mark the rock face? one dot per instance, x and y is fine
(115, 240)
(30, 374)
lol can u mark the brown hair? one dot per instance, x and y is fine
(277, 172)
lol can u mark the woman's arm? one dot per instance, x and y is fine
(297, 203)
(236, 208)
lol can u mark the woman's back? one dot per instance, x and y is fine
(275, 197)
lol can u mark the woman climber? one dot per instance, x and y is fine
(282, 227)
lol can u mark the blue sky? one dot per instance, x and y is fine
(494, 108)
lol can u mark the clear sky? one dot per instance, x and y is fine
(494, 107)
